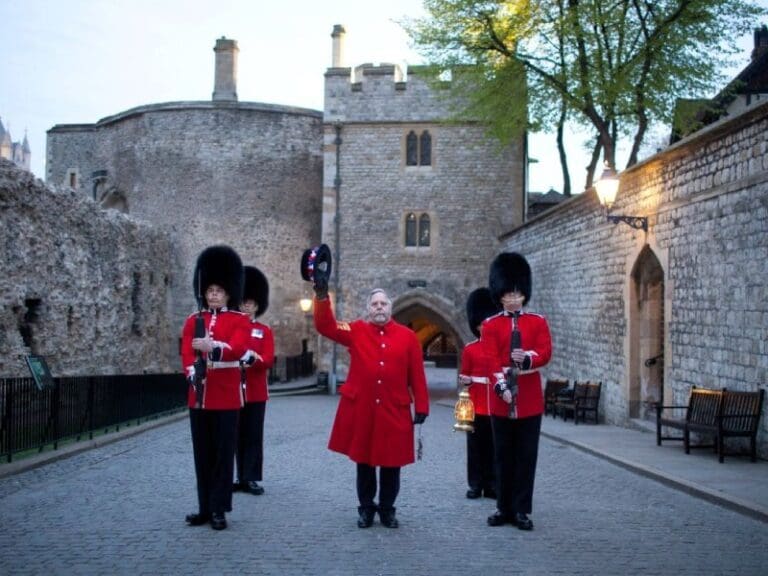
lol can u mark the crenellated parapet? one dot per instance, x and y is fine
(383, 92)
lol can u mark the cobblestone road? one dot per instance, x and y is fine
(119, 509)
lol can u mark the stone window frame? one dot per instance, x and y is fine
(406, 231)
(417, 141)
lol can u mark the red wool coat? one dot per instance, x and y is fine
(476, 364)
(222, 382)
(262, 343)
(535, 339)
(373, 423)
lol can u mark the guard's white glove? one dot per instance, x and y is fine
(204, 345)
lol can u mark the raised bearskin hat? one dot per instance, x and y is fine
(256, 288)
(510, 272)
(315, 262)
(480, 306)
(219, 265)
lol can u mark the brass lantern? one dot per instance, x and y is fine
(464, 412)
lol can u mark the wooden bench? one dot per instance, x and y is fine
(714, 413)
(740, 418)
(584, 400)
(552, 388)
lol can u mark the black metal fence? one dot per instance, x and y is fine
(288, 368)
(76, 407)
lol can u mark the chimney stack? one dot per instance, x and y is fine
(761, 42)
(225, 83)
(337, 58)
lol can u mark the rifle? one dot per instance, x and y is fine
(514, 343)
(200, 363)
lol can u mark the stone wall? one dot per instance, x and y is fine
(706, 199)
(85, 288)
(244, 174)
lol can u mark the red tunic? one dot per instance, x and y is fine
(222, 381)
(262, 343)
(475, 364)
(496, 332)
(373, 423)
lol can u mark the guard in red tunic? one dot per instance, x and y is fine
(212, 343)
(476, 372)
(256, 363)
(374, 425)
(519, 344)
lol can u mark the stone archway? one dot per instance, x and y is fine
(440, 343)
(646, 321)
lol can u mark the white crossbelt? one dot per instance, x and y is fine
(217, 365)
(477, 379)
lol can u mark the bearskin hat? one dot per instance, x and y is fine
(480, 306)
(256, 288)
(219, 265)
(510, 272)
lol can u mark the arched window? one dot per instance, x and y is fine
(425, 149)
(418, 149)
(411, 149)
(418, 231)
(424, 230)
(410, 230)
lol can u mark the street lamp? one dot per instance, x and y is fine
(607, 187)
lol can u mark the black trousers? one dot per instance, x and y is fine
(389, 486)
(516, 449)
(480, 464)
(250, 442)
(214, 434)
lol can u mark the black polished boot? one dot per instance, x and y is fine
(218, 521)
(197, 519)
(366, 514)
(387, 517)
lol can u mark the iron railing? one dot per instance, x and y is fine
(81, 406)
(76, 407)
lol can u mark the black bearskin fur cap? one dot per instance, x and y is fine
(256, 289)
(509, 272)
(219, 265)
(480, 306)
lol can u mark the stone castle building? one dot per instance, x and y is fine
(378, 175)
(17, 152)
(406, 202)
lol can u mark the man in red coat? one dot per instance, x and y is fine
(373, 424)
(218, 283)
(476, 372)
(517, 402)
(256, 363)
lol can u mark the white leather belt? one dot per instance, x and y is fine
(217, 365)
(521, 372)
(479, 380)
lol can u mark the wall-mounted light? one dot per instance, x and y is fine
(305, 304)
(607, 187)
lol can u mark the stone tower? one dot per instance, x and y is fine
(245, 174)
(412, 203)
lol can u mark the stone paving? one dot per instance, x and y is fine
(119, 509)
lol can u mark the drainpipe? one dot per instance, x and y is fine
(337, 256)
